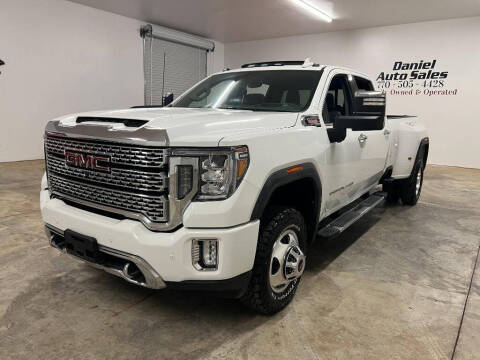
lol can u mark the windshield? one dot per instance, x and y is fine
(269, 90)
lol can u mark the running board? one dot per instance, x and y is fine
(344, 221)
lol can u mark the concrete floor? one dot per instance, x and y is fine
(394, 286)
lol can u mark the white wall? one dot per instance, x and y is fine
(453, 121)
(61, 58)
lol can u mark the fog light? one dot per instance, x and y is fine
(205, 254)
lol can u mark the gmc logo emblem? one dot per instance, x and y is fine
(85, 161)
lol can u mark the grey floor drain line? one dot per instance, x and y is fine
(465, 305)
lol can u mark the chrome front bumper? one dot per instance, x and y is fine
(122, 267)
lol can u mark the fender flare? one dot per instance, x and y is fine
(423, 151)
(283, 177)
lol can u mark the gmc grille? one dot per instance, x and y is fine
(136, 184)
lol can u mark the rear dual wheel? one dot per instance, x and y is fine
(409, 189)
(412, 187)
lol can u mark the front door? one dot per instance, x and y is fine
(343, 163)
(356, 164)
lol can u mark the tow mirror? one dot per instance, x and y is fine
(371, 103)
(368, 113)
(167, 99)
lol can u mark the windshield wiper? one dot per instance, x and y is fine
(253, 109)
(236, 108)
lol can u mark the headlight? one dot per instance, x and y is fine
(220, 172)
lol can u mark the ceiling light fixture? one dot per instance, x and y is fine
(314, 10)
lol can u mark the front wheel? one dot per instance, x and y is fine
(279, 262)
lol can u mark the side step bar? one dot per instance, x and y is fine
(341, 223)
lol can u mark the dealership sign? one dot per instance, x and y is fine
(415, 78)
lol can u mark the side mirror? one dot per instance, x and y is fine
(371, 103)
(368, 113)
(167, 99)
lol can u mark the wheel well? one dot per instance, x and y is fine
(303, 196)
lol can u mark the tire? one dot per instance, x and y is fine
(278, 230)
(411, 188)
(392, 192)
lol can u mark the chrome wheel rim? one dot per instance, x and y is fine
(418, 184)
(287, 262)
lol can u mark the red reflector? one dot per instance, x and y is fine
(295, 169)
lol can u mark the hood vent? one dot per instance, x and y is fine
(126, 122)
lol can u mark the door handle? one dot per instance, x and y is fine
(362, 138)
(386, 132)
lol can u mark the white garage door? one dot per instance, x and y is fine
(173, 62)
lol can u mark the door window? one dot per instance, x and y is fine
(337, 101)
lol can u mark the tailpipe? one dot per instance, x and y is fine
(132, 272)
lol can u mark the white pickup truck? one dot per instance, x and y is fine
(225, 188)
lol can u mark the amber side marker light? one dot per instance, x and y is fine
(295, 169)
(242, 161)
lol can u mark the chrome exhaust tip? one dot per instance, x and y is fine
(125, 270)
(132, 272)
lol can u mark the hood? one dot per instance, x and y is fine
(190, 127)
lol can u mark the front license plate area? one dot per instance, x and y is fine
(82, 246)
